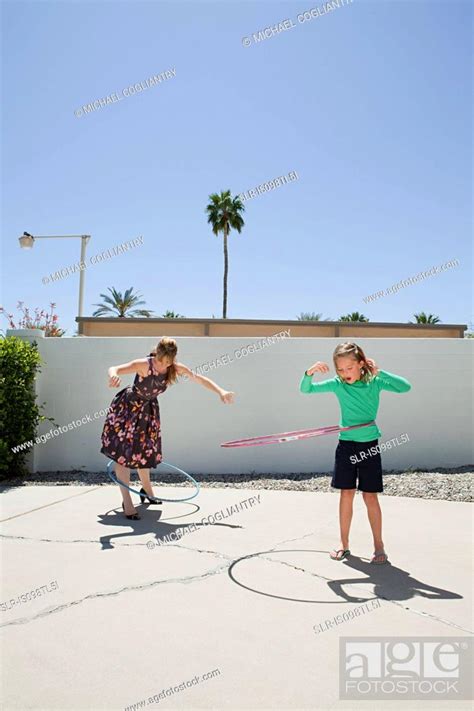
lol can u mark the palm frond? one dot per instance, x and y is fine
(355, 316)
(122, 305)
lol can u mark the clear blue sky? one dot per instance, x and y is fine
(369, 104)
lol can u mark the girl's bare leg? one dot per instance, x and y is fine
(123, 474)
(345, 515)
(144, 475)
(374, 513)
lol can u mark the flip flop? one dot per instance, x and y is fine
(345, 554)
(379, 554)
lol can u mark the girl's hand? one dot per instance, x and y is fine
(318, 367)
(372, 366)
(114, 381)
(227, 397)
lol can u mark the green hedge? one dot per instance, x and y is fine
(19, 412)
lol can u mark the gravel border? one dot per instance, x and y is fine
(456, 484)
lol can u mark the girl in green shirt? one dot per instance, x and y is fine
(357, 386)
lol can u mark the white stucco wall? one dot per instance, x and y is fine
(436, 414)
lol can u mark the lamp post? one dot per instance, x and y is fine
(27, 241)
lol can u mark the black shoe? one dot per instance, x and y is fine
(144, 495)
(132, 517)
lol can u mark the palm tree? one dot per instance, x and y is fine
(121, 305)
(307, 316)
(223, 213)
(354, 316)
(423, 318)
(172, 314)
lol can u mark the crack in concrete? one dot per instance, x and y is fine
(449, 623)
(357, 586)
(54, 540)
(96, 541)
(211, 573)
(203, 550)
(111, 593)
(52, 503)
(291, 540)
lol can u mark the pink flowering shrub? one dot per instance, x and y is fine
(42, 320)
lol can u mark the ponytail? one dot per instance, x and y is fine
(167, 347)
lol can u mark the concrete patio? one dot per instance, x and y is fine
(239, 601)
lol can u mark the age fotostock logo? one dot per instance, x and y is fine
(403, 668)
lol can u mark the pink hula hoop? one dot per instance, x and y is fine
(291, 436)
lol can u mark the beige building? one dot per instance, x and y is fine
(229, 327)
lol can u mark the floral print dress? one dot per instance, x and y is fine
(132, 432)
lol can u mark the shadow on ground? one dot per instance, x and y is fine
(151, 523)
(389, 582)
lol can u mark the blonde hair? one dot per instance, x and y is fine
(167, 347)
(352, 350)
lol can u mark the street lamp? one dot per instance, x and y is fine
(27, 241)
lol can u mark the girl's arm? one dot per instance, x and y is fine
(326, 386)
(226, 396)
(134, 366)
(394, 383)
(388, 381)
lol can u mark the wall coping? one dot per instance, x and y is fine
(250, 322)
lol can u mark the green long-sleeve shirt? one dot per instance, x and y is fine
(359, 401)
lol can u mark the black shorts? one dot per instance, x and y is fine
(356, 460)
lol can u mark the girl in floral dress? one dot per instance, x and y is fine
(132, 433)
